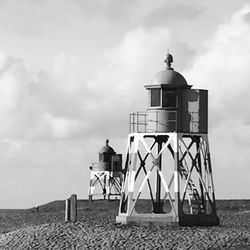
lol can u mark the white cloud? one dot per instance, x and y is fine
(63, 64)
(26, 99)
(224, 70)
(224, 67)
(62, 127)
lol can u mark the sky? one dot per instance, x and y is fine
(71, 71)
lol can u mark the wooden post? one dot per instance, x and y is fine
(73, 208)
(67, 210)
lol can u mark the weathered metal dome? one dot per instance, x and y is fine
(107, 149)
(169, 77)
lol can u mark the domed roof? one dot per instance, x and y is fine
(170, 77)
(107, 149)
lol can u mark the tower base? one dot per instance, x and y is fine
(106, 184)
(199, 220)
(147, 219)
(164, 220)
(176, 169)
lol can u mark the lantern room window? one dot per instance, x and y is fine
(169, 99)
(155, 98)
(100, 157)
(106, 157)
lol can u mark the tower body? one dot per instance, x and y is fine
(106, 176)
(168, 157)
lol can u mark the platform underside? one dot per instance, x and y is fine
(163, 220)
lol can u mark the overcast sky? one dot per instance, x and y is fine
(71, 72)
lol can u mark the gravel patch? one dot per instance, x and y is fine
(47, 230)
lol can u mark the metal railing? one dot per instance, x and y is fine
(138, 122)
(144, 121)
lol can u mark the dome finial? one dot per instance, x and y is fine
(168, 60)
(107, 142)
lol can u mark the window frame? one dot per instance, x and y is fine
(176, 99)
(150, 98)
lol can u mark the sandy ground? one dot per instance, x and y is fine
(96, 229)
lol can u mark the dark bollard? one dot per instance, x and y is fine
(73, 208)
(67, 210)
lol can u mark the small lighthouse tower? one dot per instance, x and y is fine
(106, 176)
(168, 157)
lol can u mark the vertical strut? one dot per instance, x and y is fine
(158, 203)
(198, 148)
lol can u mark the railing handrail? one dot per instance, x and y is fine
(138, 121)
(139, 118)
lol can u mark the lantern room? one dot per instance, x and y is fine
(173, 106)
(108, 160)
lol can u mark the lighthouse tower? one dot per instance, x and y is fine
(168, 167)
(106, 176)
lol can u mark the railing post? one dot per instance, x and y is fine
(137, 120)
(156, 121)
(129, 123)
(176, 117)
(192, 127)
(133, 122)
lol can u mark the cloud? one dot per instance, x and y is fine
(122, 12)
(223, 69)
(119, 86)
(172, 12)
(61, 103)
(30, 18)
(62, 127)
(34, 105)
